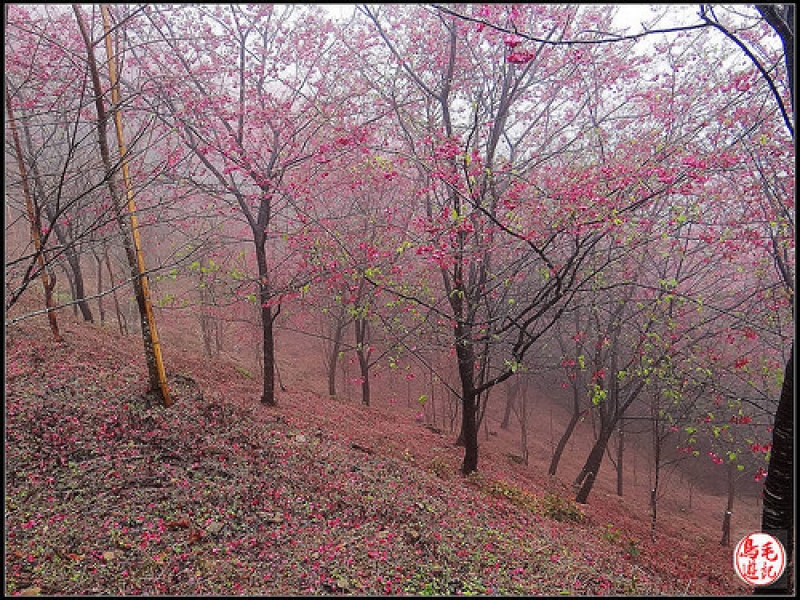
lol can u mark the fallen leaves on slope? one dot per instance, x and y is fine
(219, 495)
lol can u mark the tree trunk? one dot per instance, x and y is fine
(469, 407)
(100, 306)
(777, 517)
(71, 283)
(726, 520)
(267, 321)
(562, 443)
(778, 511)
(35, 217)
(452, 406)
(77, 280)
(470, 435)
(205, 331)
(523, 423)
(620, 456)
(152, 349)
(362, 351)
(74, 274)
(333, 360)
(511, 392)
(588, 475)
(122, 320)
(656, 469)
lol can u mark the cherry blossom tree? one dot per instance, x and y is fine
(248, 93)
(53, 144)
(778, 515)
(498, 156)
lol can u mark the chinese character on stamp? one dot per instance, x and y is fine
(759, 559)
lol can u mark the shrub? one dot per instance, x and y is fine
(440, 467)
(551, 505)
(560, 508)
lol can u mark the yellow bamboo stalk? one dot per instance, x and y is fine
(123, 154)
(33, 216)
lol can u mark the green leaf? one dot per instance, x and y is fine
(598, 395)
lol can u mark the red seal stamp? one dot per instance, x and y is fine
(759, 559)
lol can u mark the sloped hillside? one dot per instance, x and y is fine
(219, 495)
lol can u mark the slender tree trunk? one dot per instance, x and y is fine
(470, 432)
(523, 423)
(620, 455)
(726, 519)
(267, 321)
(469, 421)
(209, 327)
(205, 331)
(122, 320)
(433, 396)
(268, 394)
(657, 472)
(100, 305)
(562, 442)
(75, 273)
(361, 328)
(588, 475)
(71, 283)
(453, 407)
(511, 393)
(80, 290)
(35, 218)
(152, 348)
(333, 359)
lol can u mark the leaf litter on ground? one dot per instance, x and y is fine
(107, 494)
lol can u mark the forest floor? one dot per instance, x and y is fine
(317, 496)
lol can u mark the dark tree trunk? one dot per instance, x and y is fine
(588, 475)
(469, 401)
(777, 518)
(80, 289)
(267, 321)
(562, 443)
(361, 328)
(470, 434)
(620, 456)
(727, 517)
(510, 395)
(122, 320)
(72, 292)
(74, 273)
(333, 361)
(35, 218)
(781, 18)
(513, 386)
(778, 512)
(100, 306)
(654, 423)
